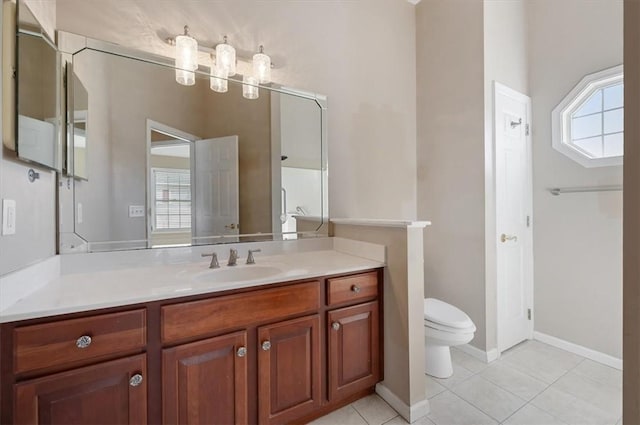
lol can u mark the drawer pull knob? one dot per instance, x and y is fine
(335, 326)
(83, 342)
(135, 380)
(355, 289)
(242, 351)
(266, 345)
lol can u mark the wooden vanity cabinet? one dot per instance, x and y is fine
(205, 382)
(289, 370)
(281, 353)
(113, 392)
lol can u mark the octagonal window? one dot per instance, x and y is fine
(588, 125)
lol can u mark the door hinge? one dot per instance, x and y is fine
(528, 314)
(526, 129)
(528, 221)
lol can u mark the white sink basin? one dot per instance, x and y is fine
(237, 273)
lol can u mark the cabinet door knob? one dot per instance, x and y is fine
(83, 342)
(355, 288)
(135, 380)
(335, 326)
(266, 345)
(242, 351)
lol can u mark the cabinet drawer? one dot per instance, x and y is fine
(354, 288)
(61, 343)
(206, 317)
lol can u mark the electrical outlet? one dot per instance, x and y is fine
(8, 217)
(136, 211)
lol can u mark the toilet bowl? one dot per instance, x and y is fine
(444, 326)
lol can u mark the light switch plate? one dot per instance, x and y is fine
(136, 211)
(8, 217)
(79, 215)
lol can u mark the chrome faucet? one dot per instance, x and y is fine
(250, 259)
(233, 257)
(214, 260)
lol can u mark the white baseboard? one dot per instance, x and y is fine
(485, 356)
(590, 354)
(409, 413)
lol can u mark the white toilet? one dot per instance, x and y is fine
(444, 326)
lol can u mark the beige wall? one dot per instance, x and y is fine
(35, 237)
(577, 237)
(450, 153)
(631, 383)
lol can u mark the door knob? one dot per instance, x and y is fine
(335, 326)
(242, 351)
(266, 345)
(504, 238)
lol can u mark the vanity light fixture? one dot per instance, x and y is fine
(250, 87)
(226, 57)
(262, 66)
(223, 65)
(218, 78)
(186, 58)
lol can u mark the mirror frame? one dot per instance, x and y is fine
(70, 44)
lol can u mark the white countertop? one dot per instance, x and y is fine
(79, 292)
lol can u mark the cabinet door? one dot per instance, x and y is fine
(205, 382)
(354, 354)
(289, 369)
(108, 393)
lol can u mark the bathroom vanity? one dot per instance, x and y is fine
(274, 352)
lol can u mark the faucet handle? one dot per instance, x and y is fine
(250, 259)
(214, 260)
(233, 256)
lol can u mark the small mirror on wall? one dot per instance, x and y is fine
(79, 120)
(35, 129)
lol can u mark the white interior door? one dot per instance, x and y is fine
(216, 203)
(513, 216)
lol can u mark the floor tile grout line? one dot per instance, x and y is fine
(487, 413)
(359, 414)
(386, 422)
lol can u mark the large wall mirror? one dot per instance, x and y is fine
(154, 163)
(36, 126)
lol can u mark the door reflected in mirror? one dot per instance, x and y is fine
(193, 188)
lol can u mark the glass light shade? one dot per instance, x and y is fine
(262, 68)
(250, 87)
(218, 79)
(226, 58)
(186, 60)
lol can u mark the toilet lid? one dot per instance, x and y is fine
(437, 311)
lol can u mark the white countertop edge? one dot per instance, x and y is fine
(22, 313)
(380, 222)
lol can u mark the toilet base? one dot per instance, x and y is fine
(438, 361)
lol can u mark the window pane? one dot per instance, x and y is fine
(592, 146)
(185, 208)
(162, 208)
(614, 145)
(162, 221)
(592, 105)
(174, 221)
(174, 208)
(613, 121)
(161, 178)
(588, 126)
(185, 221)
(614, 96)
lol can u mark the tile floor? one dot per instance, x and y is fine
(532, 384)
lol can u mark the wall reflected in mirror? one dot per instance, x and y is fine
(38, 73)
(172, 165)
